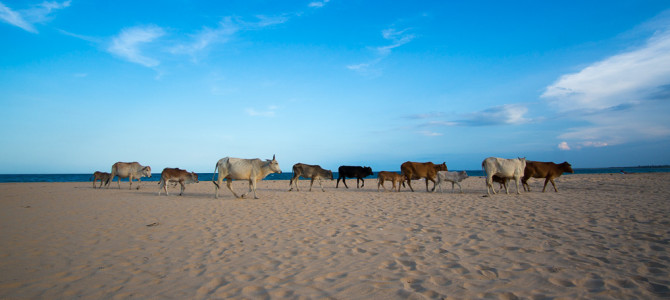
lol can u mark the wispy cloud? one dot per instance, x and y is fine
(14, 18)
(128, 43)
(397, 39)
(25, 19)
(623, 98)
(507, 114)
(208, 36)
(268, 112)
(225, 30)
(318, 3)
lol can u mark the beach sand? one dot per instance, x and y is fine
(602, 236)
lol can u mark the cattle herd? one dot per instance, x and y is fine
(496, 169)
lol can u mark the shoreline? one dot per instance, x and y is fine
(602, 235)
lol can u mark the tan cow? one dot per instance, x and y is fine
(131, 171)
(102, 176)
(417, 170)
(393, 177)
(176, 175)
(311, 172)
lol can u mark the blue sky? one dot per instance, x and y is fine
(375, 83)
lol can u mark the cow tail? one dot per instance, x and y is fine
(214, 176)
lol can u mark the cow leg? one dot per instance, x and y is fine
(380, 182)
(228, 182)
(252, 184)
(321, 185)
(489, 185)
(362, 180)
(217, 185)
(182, 188)
(311, 183)
(345, 182)
(290, 184)
(516, 181)
(409, 183)
(161, 183)
(552, 183)
(139, 181)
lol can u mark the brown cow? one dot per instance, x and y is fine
(393, 177)
(416, 170)
(104, 177)
(176, 175)
(547, 170)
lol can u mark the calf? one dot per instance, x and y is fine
(453, 177)
(547, 170)
(104, 177)
(393, 177)
(176, 175)
(353, 171)
(309, 171)
(502, 181)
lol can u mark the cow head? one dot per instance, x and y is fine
(566, 167)
(194, 177)
(329, 174)
(441, 167)
(274, 165)
(146, 171)
(367, 171)
(463, 174)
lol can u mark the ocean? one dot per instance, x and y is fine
(288, 175)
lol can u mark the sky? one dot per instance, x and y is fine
(84, 84)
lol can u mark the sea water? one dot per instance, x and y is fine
(288, 175)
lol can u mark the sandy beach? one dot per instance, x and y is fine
(603, 236)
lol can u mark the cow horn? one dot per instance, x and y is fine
(273, 157)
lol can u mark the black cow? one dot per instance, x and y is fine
(353, 171)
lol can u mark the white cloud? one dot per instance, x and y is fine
(397, 39)
(14, 18)
(269, 112)
(318, 3)
(25, 19)
(622, 98)
(617, 80)
(564, 146)
(227, 28)
(208, 36)
(128, 43)
(430, 133)
(507, 114)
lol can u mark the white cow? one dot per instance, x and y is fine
(453, 177)
(244, 169)
(504, 168)
(130, 171)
